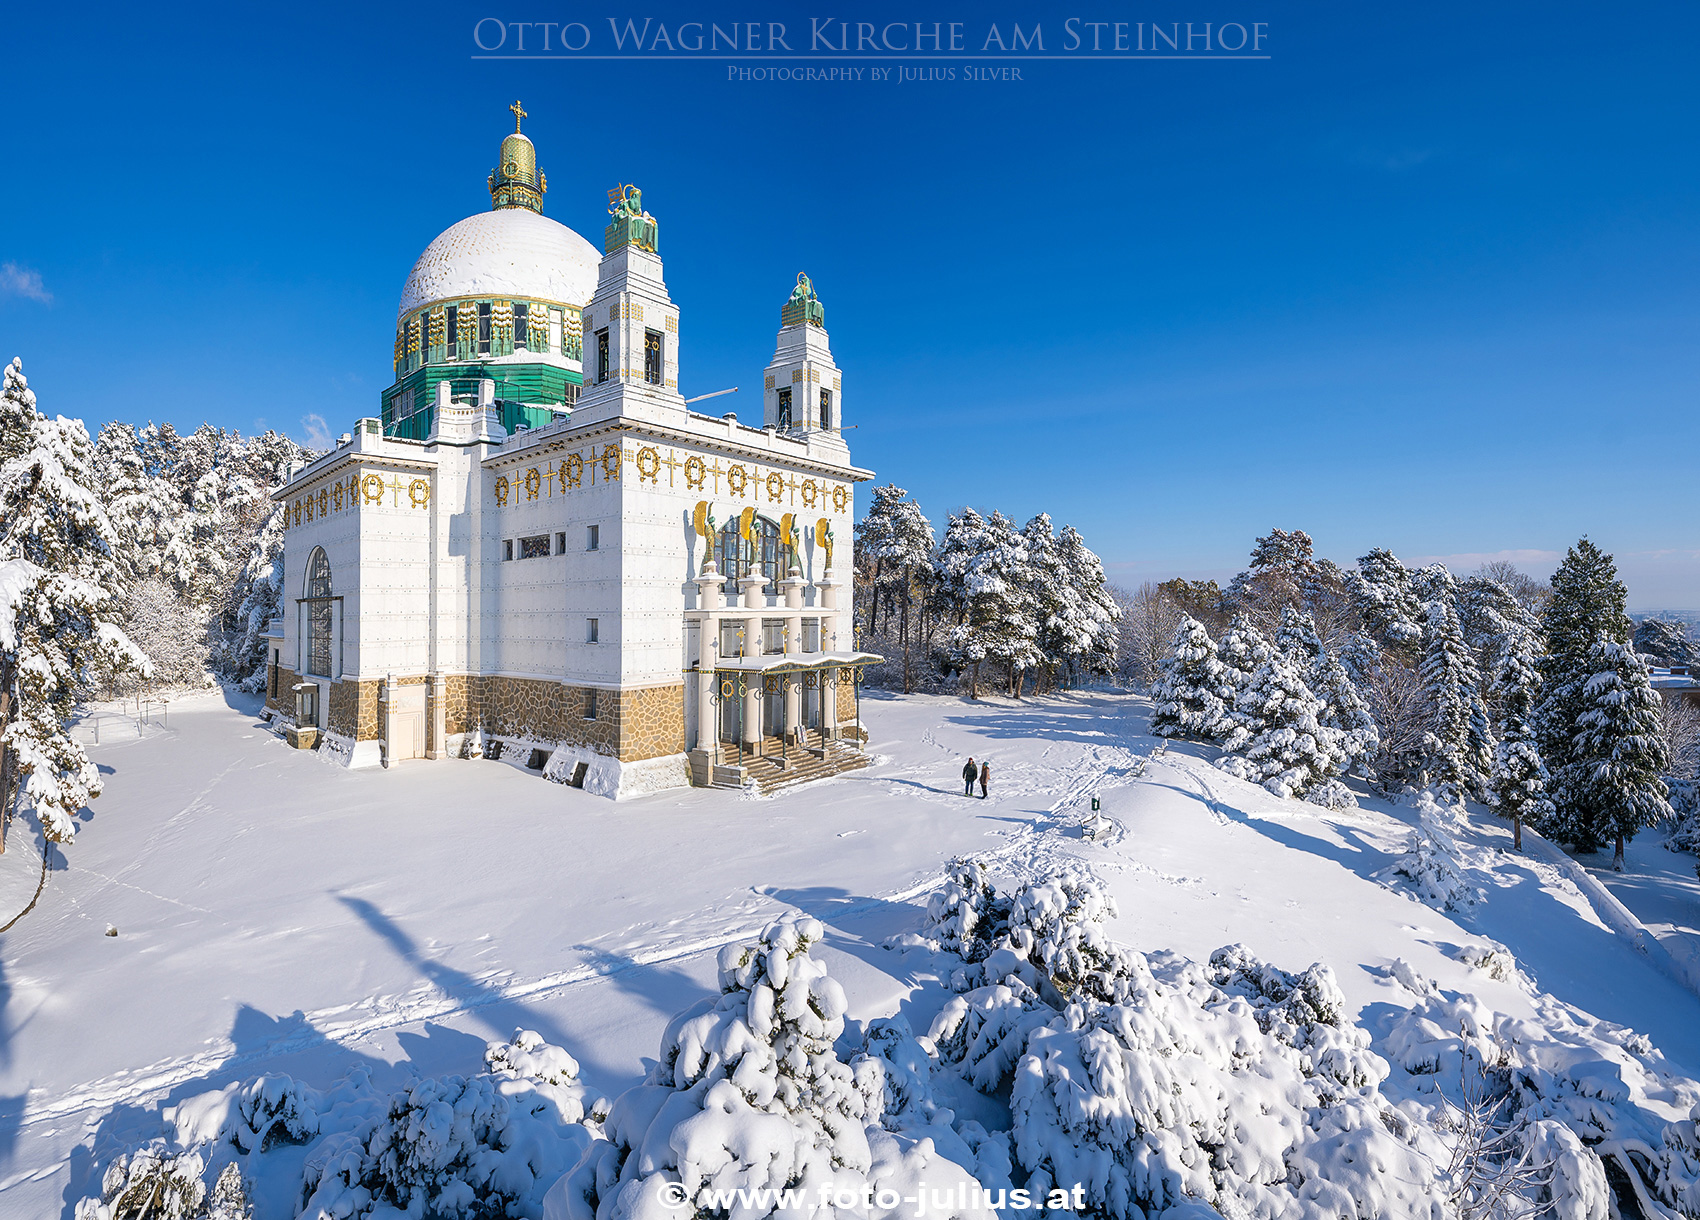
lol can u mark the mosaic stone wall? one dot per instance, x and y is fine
(652, 722)
(282, 681)
(354, 710)
(630, 725)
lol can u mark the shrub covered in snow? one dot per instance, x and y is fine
(1433, 869)
(1237, 1084)
(748, 1093)
(149, 1182)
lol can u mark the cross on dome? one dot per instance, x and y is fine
(519, 113)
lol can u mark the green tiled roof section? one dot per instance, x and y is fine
(515, 383)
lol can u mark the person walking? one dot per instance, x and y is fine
(968, 774)
(985, 778)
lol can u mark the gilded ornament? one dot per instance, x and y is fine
(372, 487)
(648, 464)
(296, 509)
(533, 483)
(336, 496)
(324, 501)
(811, 492)
(840, 498)
(611, 463)
(574, 466)
(737, 479)
(501, 491)
(696, 473)
(419, 493)
(775, 486)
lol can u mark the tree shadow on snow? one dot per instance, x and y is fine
(857, 926)
(499, 1013)
(1096, 723)
(261, 1045)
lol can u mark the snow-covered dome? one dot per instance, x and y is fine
(512, 252)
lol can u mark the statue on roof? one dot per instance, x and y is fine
(804, 305)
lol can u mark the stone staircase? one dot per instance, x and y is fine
(811, 758)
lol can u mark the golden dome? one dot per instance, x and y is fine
(515, 182)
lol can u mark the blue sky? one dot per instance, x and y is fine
(1424, 278)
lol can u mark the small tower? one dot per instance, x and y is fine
(803, 389)
(515, 182)
(631, 326)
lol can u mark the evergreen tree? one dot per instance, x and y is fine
(982, 568)
(1381, 592)
(1587, 603)
(1243, 651)
(1344, 711)
(898, 541)
(1297, 639)
(1460, 741)
(1619, 751)
(1278, 735)
(1188, 698)
(1088, 635)
(1517, 790)
(56, 575)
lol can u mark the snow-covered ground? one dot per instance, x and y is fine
(278, 914)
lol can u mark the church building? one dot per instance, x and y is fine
(539, 552)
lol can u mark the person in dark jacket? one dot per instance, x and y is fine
(968, 774)
(985, 778)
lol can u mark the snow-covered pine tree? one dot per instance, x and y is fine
(1587, 602)
(1087, 639)
(56, 576)
(258, 597)
(1297, 639)
(1188, 699)
(1048, 595)
(1344, 711)
(1517, 790)
(982, 570)
(1381, 591)
(1620, 753)
(1460, 740)
(1278, 739)
(898, 541)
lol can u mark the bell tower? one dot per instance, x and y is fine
(802, 390)
(631, 326)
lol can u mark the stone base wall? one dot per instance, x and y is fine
(282, 681)
(353, 710)
(846, 702)
(630, 725)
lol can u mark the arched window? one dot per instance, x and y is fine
(318, 601)
(736, 558)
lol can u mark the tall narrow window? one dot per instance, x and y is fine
(454, 331)
(593, 630)
(318, 601)
(785, 407)
(602, 354)
(590, 704)
(560, 544)
(593, 537)
(522, 324)
(826, 408)
(652, 357)
(484, 328)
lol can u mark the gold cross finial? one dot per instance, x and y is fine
(519, 113)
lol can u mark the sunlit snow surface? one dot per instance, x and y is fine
(278, 914)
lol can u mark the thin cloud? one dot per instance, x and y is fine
(19, 281)
(318, 432)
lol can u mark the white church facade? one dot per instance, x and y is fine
(539, 551)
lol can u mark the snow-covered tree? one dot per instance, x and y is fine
(1460, 739)
(1297, 639)
(1620, 754)
(1344, 711)
(1242, 650)
(56, 575)
(1278, 739)
(896, 540)
(1587, 603)
(1381, 591)
(1082, 637)
(1190, 699)
(982, 571)
(1517, 789)
(1666, 642)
